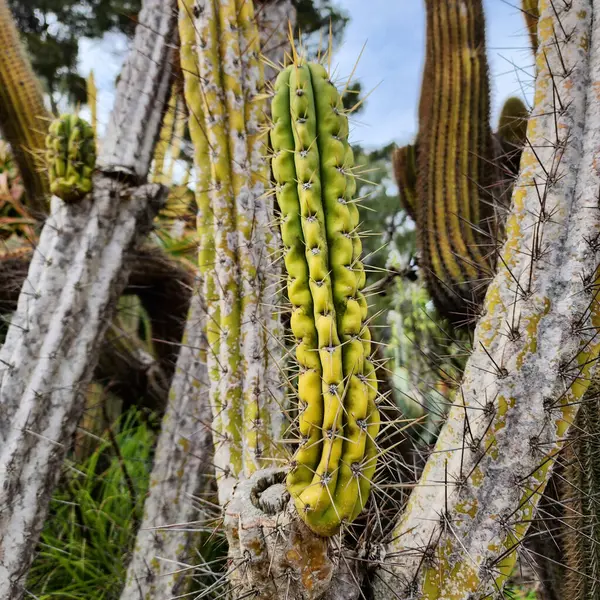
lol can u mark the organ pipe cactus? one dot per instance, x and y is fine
(338, 422)
(456, 219)
(405, 171)
(70, 157)
(526, 377)
(223, 87)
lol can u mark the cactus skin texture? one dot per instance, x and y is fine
(531, 12)
(71, 157)
(456, 223)
(23, 117)
(223, 86)
(312, 164)
(404, 161)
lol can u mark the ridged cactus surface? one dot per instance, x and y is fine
(24, 119)
(70, 157)
(337, 389)
(223, 87)
(405, 172)
(456, 228)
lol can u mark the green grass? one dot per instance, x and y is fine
(94, 512)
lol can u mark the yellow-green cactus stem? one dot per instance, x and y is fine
(456, 228)
(404, 160)
(164, 140)
(202, 164)
(227, 114)
(92, 100)
(332, 470)
(531, 12)
(512, 125)
(71, 157)
(24, 119)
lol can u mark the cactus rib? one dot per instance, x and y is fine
(337, 388)
(456, 226)
(223, 83)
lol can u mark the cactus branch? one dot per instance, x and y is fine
(74, 280)
(522, 387)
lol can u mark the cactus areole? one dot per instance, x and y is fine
(312, 164)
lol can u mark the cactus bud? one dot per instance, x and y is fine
(71, 157)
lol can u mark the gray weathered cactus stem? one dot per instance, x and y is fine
(273, 554)
(75, 278)
(535, 345)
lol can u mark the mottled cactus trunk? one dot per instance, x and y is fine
(75, 278)
(24, 119)
(531, 11)
(535, 345)
(337, 387)
(223, 87)
(170, 532)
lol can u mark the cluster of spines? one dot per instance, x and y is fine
(223, 86)
(70, 157)
(338, 418)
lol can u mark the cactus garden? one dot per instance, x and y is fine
(246, 355)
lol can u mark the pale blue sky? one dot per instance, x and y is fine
(394, 34)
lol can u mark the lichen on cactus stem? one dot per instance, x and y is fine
(71, 157)
(456, 221)
(338, 418)
(223, 81)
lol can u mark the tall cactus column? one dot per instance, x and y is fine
(337, 388)
(223, 74)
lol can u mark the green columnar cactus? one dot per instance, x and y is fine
(24, 119)
(531, 11)
(404, 160)
(338, 421)
(71, 157)
(512, 125)
(456, 222)
(223, 87)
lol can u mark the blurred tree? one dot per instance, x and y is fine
(52, 30)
